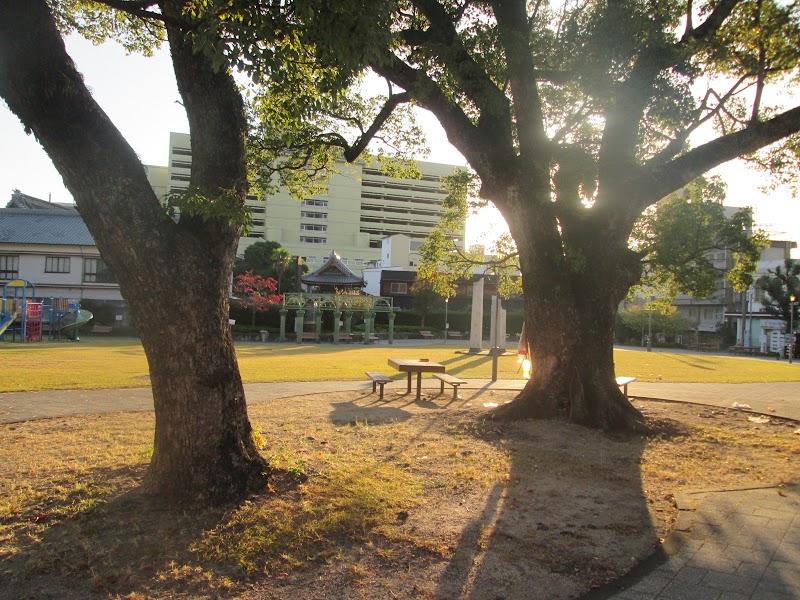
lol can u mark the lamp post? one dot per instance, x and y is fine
(792, 301)
(649, 324)
(446, 324)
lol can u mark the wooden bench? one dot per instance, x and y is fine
(345, 337)
(374, 337)
(450, 380)
(623, 383)
(378, 379)
(101, 329)
(426, 335)
(745, 351)
(310, 335)
(454, 334)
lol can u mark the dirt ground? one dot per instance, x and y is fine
(493, 510)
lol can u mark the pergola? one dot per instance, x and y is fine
(340, 305)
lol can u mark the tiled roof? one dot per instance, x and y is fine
(31, 226)
(333, 272)
(20, 200)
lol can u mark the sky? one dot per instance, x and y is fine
(140, 96)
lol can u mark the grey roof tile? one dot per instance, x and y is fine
(31, 226)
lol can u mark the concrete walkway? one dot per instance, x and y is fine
(784, 398)
(726, 545)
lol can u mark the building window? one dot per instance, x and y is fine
(313, 215)
(182, 151)
(56, 264)
(314, 202)
(313, 240)
(359, 262)
(307, 227)
(176, 177)
(96, 271)
(182, 164)
(9, 266)
(398, 288)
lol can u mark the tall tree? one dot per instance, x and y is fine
(281, 259)
(780, 284)
(174, 275)
(576, 117)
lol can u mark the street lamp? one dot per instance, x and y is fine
(446, 324)
(649, 324)
(792, 300)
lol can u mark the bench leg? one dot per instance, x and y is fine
(373, 386)
(441, 390)
(455, 392)
(381, 384)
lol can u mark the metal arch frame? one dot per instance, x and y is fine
(354, 302)
(338, 304)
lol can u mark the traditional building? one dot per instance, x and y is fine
(333, 276)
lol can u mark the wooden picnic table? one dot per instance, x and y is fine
(418, 366)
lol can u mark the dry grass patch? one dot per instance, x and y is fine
(390, 499)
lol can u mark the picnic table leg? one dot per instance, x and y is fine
(408, 391)
(419, 385)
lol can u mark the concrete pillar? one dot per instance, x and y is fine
(476, 323)
(391, 327)
(283, 312)
(337, 315)
(298, 326)
(498, 321)
(348, 321)
(369, 317)
(318, 322)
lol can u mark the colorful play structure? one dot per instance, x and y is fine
(26, 320)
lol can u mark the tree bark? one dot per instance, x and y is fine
(174, 276)
(570, 311)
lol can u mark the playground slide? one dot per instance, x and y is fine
(6, 322)
(72, 321)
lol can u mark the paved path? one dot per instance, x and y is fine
(25, 406)
(726, 545)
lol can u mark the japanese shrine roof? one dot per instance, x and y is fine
(333, 272)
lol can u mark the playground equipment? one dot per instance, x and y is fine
(22, 317)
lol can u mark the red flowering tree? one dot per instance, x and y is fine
(256, 293)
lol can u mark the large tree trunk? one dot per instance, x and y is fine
(174, 276)
(572, 288)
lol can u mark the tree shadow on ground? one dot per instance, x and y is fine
(350, 413)
(691, 363)
(558, 523)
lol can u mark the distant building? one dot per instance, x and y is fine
(754, 327)
(361, 208)
(394, 272)
(50, 246)
(706, 315)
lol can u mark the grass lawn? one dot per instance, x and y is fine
(116, 363)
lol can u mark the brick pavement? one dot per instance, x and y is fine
(726, 545)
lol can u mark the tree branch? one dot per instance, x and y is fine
(661, 179)
(713, 22)
(512, 23)
(363, 141)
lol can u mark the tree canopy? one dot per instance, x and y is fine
(780, 284)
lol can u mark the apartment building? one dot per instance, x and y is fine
(50, 246)
(361, 208)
